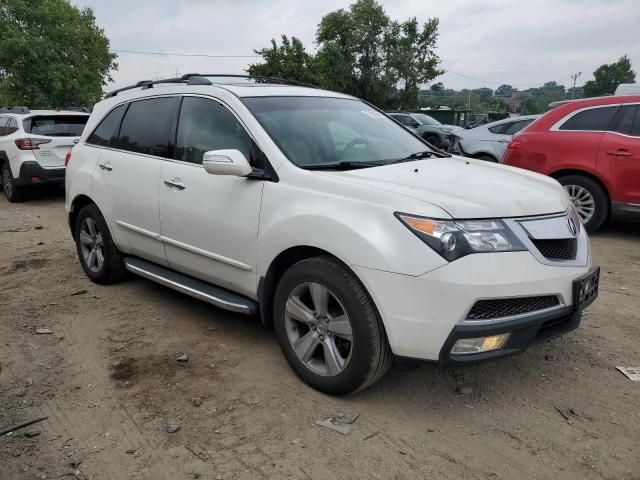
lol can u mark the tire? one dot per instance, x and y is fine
(433, 140)
(486, 158)
(368, 355)
(13, 192)
(112, 267)
(576, 186)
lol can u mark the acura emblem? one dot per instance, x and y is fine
(571, 224)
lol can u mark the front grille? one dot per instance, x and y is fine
(557, 249)
(507, 307)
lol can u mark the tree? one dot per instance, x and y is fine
(608, 77)
(51, 54)
(504, 91)
(360, 52)
(350, 50)
(289, 60)
(411, 56)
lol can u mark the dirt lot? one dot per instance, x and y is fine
(108, 379)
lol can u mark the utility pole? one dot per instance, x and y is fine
(574, 77)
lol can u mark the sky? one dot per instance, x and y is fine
(486, 43)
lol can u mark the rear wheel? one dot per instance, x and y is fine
(589, 199)
(433, 140)
(328, 329)
(486, 158)
(100, 258)
(13, 192)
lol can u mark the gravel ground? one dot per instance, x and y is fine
(120, 405)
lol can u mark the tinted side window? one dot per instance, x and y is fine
(597, 119)
(146, 125)
(205, 125)
(12, 126)
(500, 128)
(623, 121)
(3, 126)
(515, 127)
(104, 133)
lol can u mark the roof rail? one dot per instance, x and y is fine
(203, 79)
(19, 110)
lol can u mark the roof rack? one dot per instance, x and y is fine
(19, 110)
(203, 79)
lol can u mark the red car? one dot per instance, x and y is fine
(592, 147)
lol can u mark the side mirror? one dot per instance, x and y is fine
(226, 162)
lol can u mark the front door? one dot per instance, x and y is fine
(619, 155)
(210, 222)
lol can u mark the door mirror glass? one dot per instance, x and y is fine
(226, 162)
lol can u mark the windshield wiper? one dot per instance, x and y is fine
(346, 165)
(419, 156)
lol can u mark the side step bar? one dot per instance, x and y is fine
(193, 287)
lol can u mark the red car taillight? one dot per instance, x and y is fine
(67, 158)
(30, 143)
(515, 144)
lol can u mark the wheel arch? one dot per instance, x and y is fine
(281, 263)
(77, 204)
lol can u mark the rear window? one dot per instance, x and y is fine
(57, 126)
(595, 119)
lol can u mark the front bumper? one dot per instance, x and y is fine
(525, 333)
(32, 173)
(422, 313)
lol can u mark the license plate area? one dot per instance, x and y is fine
(585, 289)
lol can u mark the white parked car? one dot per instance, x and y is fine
(489, 142)
(33, 147)
(336, 225)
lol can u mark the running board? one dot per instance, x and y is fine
(191, 286)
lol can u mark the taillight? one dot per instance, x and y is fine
(67, 158)
(30, 143)
(515, 144)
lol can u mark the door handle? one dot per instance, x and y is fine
(106, 166)
(175, 183)
(620, 153)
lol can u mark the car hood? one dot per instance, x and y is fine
(467, 188)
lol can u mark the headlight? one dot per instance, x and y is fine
(454, 239)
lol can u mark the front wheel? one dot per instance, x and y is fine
(328, 329)
(589, 199)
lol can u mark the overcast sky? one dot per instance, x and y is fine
(519, 42)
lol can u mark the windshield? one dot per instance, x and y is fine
(316, 131)
(58, 126)
(425, 119)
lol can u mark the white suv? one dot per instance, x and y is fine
(341, 228)
(33, 146)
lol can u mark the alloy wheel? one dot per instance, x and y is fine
(91, 245)
(582, 200)
(318, 329)
(7, 184)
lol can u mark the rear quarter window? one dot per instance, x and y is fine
(593, 119)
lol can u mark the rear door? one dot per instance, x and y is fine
(62, 131)
(128, 174)
(619, 155)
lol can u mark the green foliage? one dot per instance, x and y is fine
(363, 53)
(51, 54)
(289, 60)
(608, 77)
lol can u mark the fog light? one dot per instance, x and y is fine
(465, 346)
